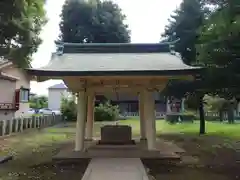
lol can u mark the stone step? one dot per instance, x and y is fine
(115, 168)
(128, 147)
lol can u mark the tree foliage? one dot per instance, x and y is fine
(219, 40)
(183, 26)
(20, 25)
(106, 112)
(218, 46)
(38, 102)
(216, 42)
(93, 22)
(69, 109)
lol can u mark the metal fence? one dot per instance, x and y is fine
(8, 127)
(216, 115)
(159, 115)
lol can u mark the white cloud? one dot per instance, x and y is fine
(146, 20)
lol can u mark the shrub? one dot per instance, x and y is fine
(69, 109)
(103, 112)
(106, 112)
(180, 117)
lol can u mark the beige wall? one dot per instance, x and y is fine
(24, 81)
(6, 115)
(7, 92)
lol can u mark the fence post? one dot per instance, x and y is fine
(50, 120)
(54, 119)
(4, 127)
(1, 126)
(16, 125)
(30, 122)
(34, 122)
(41, 121)
(38, 122)
(44, 121)
(26, 122)
(11, 126)
(47, 119)
(21, 128)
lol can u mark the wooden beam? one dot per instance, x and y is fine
(122, 84)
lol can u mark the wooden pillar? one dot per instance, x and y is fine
(149, 111)
(142, 118)
(90, 115)
(81, 121)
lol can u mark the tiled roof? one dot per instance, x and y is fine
(87, 59)
(116, 62)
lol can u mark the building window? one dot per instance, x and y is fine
(24, 95)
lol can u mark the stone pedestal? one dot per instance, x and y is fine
(116, 135)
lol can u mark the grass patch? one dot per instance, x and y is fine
(212, 128)
(32, 149)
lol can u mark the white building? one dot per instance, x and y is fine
(14, 91)
(55, 95)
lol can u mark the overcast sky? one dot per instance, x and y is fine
(146, 20)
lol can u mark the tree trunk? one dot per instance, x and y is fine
(201, 115)
(221, 115)
(231, 114)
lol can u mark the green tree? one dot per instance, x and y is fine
(93, 22)
(184, 26)
(69, 109)
(218, 48)
(38, 102)
(219, 40)
(20, 24)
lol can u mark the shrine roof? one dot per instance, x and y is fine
(109, 59)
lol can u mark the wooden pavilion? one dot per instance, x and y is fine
(88, 69)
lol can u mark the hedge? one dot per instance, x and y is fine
(180, 117)
(102, 112)
(106, 112)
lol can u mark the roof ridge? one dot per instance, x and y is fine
(113, 47)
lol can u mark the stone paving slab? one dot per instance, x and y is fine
(115, 168)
